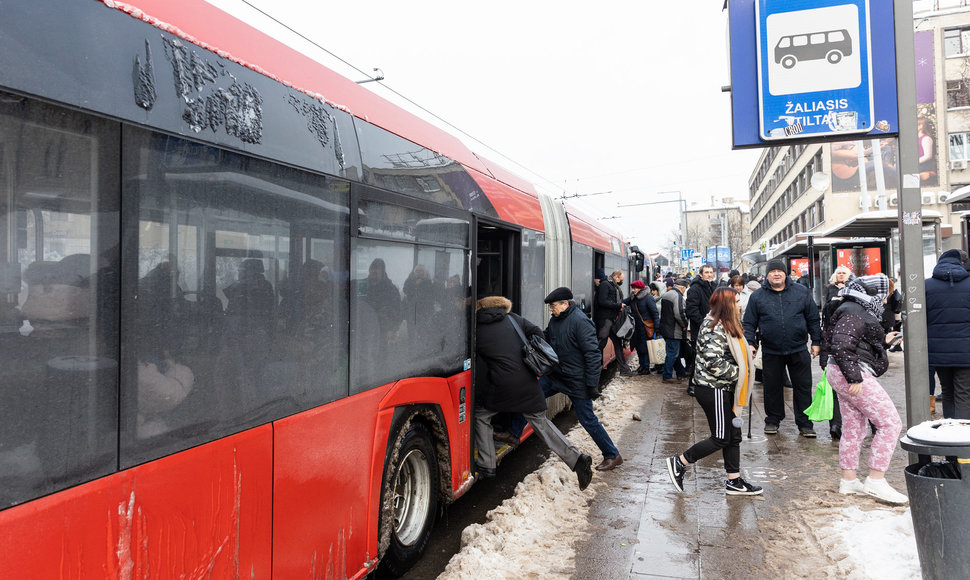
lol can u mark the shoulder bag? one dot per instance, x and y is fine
(537, 354)
(623, 325)
(647, 324)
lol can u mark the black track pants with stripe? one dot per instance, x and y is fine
(718, 405)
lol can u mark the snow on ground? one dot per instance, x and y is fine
(532, 534)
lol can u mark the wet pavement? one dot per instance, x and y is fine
(641, 527)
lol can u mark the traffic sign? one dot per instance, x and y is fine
(686, 255)
(814, 67)
(780, 85)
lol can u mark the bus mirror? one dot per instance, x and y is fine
(637, 262)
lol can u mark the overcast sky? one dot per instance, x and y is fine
(624, 97)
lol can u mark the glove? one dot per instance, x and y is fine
(593, 393)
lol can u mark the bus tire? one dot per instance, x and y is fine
(409, 500)
(789, 61)
(834, 57)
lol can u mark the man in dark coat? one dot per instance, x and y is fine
(784, 315)
(948, 331)
(644, 309)
(609, 302)
(505, 385)
(699, 299)
(573, 337)
(673, 329)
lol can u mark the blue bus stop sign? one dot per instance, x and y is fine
(814, 68)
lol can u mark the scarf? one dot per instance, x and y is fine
(859, 290)
(742, 356)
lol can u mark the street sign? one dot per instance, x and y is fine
(814, 67)
(720, 255)
(812, 71)
(686, 255)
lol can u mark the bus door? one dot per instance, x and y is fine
(497, 264)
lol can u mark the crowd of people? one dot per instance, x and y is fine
(719, 338)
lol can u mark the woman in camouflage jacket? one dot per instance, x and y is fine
(722, 379)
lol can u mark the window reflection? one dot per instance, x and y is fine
(240, 314)
(60, 286)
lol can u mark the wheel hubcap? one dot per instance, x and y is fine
(412, 496)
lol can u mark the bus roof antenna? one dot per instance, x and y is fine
(377, 77)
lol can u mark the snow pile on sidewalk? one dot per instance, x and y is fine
(531, 535)
(878, 543)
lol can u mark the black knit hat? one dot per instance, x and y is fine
(776, 264)
(558, 295)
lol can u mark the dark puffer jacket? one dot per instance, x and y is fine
(855, 341)
(785, 320)
(698, 301)
(573, 337)
(948, 313)
(503, 382)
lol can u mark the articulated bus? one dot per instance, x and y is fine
(238, 294)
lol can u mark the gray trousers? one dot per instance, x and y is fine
(542, 426)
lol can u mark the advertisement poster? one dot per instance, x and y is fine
(799, 267)
(861, 261)
(849, 168)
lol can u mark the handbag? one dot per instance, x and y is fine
(647, 324)
(657, 349)
(823, 404)
(537, 354)
(623, 325)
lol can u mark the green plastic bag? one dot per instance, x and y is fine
(822, 403)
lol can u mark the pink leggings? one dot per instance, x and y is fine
(871, 403)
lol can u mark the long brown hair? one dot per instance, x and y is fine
(724, 310)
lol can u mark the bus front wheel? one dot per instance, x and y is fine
(410, 499)
(834, 57)
(789, 61)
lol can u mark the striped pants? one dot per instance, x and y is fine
(718, 405)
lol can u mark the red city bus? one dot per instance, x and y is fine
(237, 321)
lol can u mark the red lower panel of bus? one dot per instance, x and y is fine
(203, 513)
(329, 465)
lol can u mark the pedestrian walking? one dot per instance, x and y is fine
(673, 329)
(783, 316)
(723, 378)
(857, 355)
(573, 336)
(948, 331)
(647, 322)
(504, 384)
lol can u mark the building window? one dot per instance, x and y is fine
(958, 147)
(956, 41)
(957, 94)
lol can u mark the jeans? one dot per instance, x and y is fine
(589, 421)
(672, 362)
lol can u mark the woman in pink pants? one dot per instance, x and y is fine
(856, 345)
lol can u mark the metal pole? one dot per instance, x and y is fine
(811, 264)
(910, 222)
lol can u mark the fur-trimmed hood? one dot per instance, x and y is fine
(494, 301)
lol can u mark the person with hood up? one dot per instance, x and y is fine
(723, 380)
(948, 331)
(857, 355)
(504, 384)
(647, 322)
(783, 316)
(572, 335)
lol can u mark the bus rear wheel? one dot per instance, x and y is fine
(410, 500)
(834, 57)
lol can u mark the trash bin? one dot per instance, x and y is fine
(940, 507)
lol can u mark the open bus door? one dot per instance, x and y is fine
(496, 265)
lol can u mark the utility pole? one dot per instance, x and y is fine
(910, 221)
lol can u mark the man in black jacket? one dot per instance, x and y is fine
(573, 337)
(504, 384)
(785, 316)
(609, 302)
(699, 299)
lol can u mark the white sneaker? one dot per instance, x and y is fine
(880, 489)
(853, 487)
